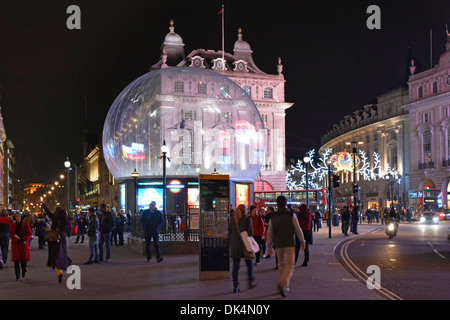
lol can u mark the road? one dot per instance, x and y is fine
(413, 265)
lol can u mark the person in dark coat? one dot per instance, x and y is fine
(5, 223)
(57, 250)
(152, 220)
(107, 223)
(82, 223)
(20, 234)
(40, 226)
(238, 223)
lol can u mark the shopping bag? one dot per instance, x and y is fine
(249, 242)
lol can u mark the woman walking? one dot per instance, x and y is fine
(20, 234)
(239, 223)
(57, 250)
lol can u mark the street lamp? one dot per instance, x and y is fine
(67, 165)
(355, 186)
(306, 161)
(164, 150)
(135, 176)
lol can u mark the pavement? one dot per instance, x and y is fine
(130, 277)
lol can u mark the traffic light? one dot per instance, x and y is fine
(335, 181)
(355, 188)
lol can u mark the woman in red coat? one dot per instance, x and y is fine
(20, 235)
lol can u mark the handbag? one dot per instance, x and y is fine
(250, 245)
(52, 236)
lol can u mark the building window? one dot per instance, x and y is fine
(178, 86)
(435, 87)
(225, 90)
(248, 90)
(426, 117)
(420, 92)
(201, 88)
(268, 93)
(427, 146)
(394, 158)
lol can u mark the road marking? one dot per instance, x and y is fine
(358, 272)
(435, 250)
(439, 254)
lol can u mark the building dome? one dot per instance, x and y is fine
(172, 38)
(241, 45)
(207, 121)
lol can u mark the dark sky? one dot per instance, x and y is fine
(333, 64)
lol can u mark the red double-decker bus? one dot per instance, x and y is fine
(424, 200)
(317, 198)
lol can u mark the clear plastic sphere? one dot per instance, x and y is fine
(206, 120)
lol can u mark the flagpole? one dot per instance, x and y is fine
(223, 38)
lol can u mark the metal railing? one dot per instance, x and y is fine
(171, 230)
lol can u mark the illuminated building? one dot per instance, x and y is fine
(429, 116)
(382, 128)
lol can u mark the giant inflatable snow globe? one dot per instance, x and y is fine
(205, 119)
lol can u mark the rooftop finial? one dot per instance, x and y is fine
(172, 28)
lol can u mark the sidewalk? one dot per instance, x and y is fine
(130, 277)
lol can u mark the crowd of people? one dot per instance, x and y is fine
(280, 233)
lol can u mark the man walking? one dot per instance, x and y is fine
(152, 220)
(107, 223)
(282, 227)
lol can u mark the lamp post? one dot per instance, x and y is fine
(135, 176)
(355, 186)
(67, 165)
(330, 172)
(164, 150)
(306, 161)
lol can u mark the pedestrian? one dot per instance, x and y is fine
(262, 214)
(258, 231)
(121, 220)
(92, 233)
(152, 220)
(106, 226)
(355, 219)
(40, 225)
(345, 217)
(282, 227)
(81, 222)
(29, 218)
(317, 220)
(57, 250)
(269, 249)
(240, 222)
(304, 218)
(5, 224)
(20, 234)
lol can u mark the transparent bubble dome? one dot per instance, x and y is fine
(206, 120)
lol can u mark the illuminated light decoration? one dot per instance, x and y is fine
(341, 161)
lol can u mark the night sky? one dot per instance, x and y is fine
(333, 64)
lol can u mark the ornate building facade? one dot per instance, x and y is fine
(381, 130)
(266, 90)
(429, 117)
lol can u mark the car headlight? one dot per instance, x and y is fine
(422, 219)
(391, 227)
(435, 219)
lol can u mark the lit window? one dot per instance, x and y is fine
(248, 90)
